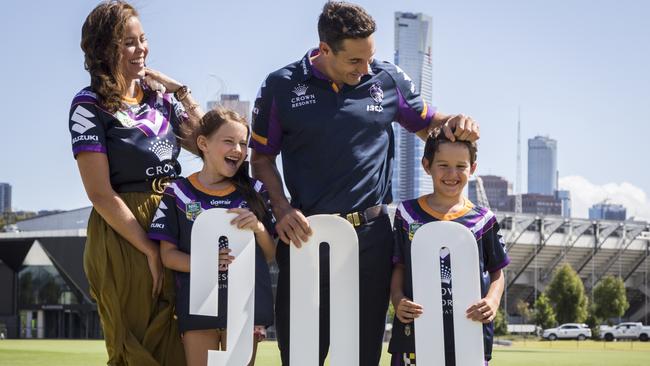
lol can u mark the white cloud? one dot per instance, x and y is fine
(584, 194)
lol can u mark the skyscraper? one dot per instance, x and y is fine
(413, 37)
(231, 101)
(5, 197)
(542, 165)
(607, 211)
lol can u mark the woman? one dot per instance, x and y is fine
(125, 137)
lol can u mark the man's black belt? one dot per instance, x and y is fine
(359, 218)
(156, 185)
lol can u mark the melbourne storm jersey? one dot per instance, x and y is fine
(182, 202)
(412, 214)
(140, 141)
(337, 145)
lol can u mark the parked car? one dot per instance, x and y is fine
(577, 331)
(628, 330)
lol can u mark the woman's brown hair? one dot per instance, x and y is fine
(101, 37)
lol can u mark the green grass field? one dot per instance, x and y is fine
(529, 353)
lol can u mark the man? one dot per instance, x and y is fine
(330, 116)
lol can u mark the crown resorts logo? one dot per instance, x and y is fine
(302, 98)
(163, 150)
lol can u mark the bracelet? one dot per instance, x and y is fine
(182, 93)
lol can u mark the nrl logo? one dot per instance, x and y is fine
(376, 93)
(300, 90)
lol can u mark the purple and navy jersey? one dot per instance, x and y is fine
(182, 202)
(411, 215)
(139, 141)
(337, 145)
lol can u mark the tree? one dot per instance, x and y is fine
(567, 294)
(544, 314)
(610, 300)
(500, 323)
(524, 310)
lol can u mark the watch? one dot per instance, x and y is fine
(182, 93)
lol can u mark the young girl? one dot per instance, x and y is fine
(221, 138)
(450, 164)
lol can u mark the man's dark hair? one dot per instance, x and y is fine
(340, 20)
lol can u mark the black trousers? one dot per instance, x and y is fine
(375, 269)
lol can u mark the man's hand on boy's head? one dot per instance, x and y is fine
(407, 310)
(484, 311)
(458, 126)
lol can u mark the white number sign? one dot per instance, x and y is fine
(427, 291)
(209, 227)
(344, 293)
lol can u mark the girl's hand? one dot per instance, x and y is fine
(246, 220)
(225, 258)
(259, 333)
(160, 82)
(407, 310)
(484, 311)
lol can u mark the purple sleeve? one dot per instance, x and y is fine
(494, 249)
(400, 238)
(266, 134)
(85, 125)
(413, 112)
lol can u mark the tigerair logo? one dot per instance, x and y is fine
(302, 98)
(81, 122)
(163, 150)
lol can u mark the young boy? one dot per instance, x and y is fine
(450, 165)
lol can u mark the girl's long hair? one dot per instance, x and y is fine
(101, 37)
(208, 125)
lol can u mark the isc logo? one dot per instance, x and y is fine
(374, 108)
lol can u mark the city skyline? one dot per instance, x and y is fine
(488, 60)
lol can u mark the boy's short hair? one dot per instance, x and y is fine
(340, 20)
(438, 137)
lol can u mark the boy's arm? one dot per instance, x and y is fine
(405, 310)
(485, 310)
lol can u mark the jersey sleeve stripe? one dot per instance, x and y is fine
(88, 148)
(262, 140)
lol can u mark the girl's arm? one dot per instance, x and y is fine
(247, 220)
(94, 171)
(173, 258)
(179, 261)
(485, 310)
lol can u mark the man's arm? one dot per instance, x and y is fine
(291, 226)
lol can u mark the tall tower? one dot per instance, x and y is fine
(542, 165)
(413, 38)
(5, 197)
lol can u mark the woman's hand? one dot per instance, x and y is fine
(246, 220)
(160, 82)
(156, 269)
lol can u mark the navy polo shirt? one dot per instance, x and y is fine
(337, 145)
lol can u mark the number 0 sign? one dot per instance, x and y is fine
(425, 256)
(209, 226)
(344, 295)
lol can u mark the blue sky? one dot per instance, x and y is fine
(577, 69)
